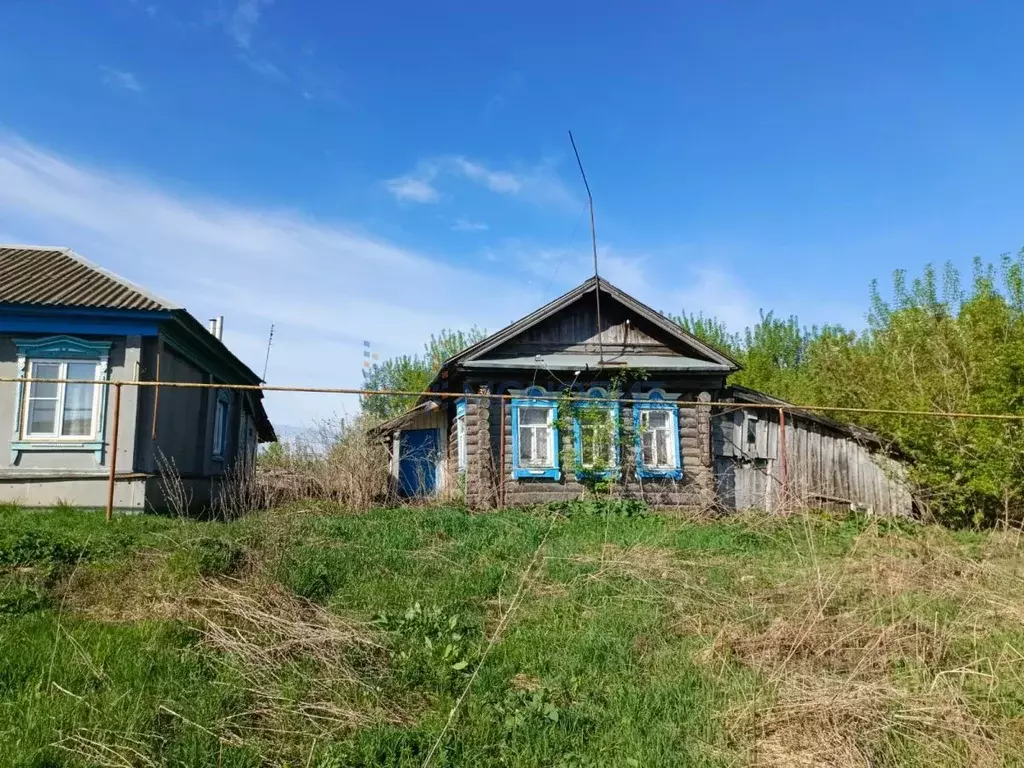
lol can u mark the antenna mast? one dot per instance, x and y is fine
(593, 242)
(266, 363)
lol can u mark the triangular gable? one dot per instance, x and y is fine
(569, 323)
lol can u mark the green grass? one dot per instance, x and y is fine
(639, 640)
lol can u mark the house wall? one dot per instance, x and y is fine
(824, 468)
(178, 423)
(37, 477)
(574, 330)
(489, 476)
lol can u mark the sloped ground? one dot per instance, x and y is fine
(315, 637)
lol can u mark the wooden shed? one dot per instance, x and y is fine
(780, 457)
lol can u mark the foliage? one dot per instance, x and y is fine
(40, 548)
(933, 345)
(600, 507)
(413, 373)
(431, 647)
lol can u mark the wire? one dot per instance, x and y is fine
(565, 252)
(502, 625)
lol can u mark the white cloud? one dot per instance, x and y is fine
(326, 285)
(263, 67)
(241, 23)
(411, 189)
(117, 78)
(538, 184)
(502, 182)
(468, 225)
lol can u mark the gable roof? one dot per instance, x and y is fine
(48, 276)
(717, 359)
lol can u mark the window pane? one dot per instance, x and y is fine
(42, 417)
(78, 400)
(532, 416)
(658, 418)
(525, 448)
(587, 445)
(542, 435)
(647, 444)
(44, 371)
(661, 446)
(81, 371)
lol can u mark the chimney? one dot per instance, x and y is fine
(216, 326)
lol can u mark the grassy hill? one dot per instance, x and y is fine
(597, 636)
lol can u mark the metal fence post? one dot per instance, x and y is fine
(113, 450)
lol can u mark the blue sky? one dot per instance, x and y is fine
(381, 170)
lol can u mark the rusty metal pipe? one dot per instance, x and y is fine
(501, 455)
(113, 450)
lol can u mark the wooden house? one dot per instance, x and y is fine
(640, 408)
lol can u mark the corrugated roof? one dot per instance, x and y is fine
(48, 276)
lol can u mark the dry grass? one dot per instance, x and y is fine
(344, 463)
(876, 649)
(297, 661)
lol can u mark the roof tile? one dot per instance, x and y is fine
(45, 276)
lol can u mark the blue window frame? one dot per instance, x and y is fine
(596, 436)
(656, 426)
(535, 443)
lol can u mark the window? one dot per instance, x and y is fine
(657, 440)
(220, 424)
(597, 449)
(58, 410)
(460, 433)
(535, 439)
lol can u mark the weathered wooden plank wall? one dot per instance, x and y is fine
(824, 468)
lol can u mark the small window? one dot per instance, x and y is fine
(596, 439)
(220, 424)
(535, 439)
(657, 441)
(460, 433)
(60, 410)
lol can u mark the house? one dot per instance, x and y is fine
(641, 407)
(62, 317)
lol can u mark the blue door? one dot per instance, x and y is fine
(417, 462)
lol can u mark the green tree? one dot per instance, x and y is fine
(934, 344)
(412, 373)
